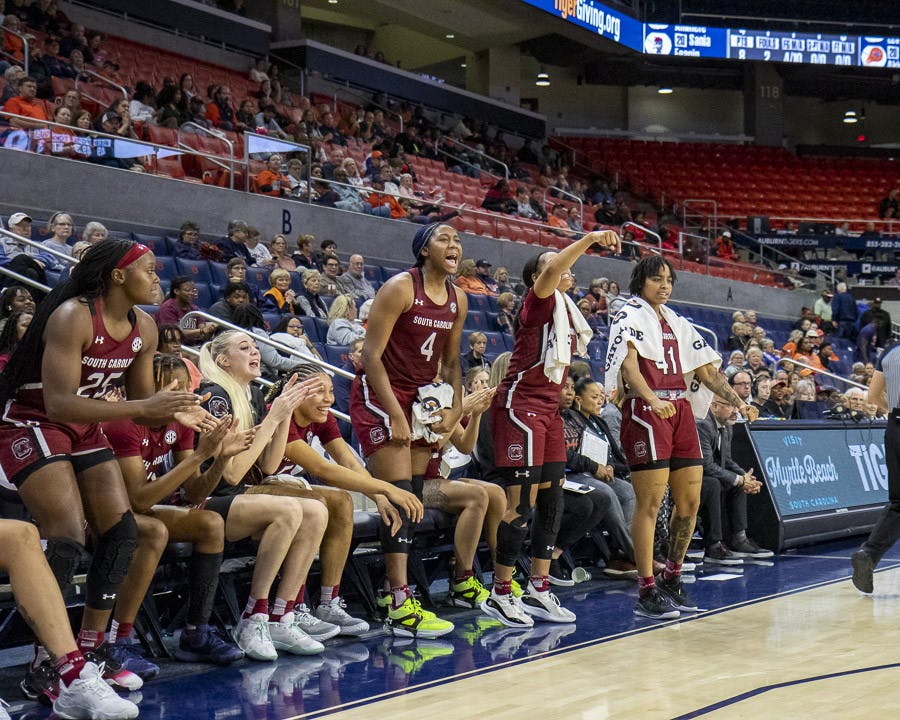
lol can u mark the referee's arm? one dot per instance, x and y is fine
(878, 392)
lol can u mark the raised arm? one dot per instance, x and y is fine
(563, 261)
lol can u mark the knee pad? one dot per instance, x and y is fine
(510, 538)
(64, 557)
(112, 558)
(400, 542)
(548, 512)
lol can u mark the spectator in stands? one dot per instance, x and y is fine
(181, 300)
(280, 297)
(15, 298)
(778, 405)
(615, 299)
(895, 281)
(889, 207)
(470, 281)
(844, 313)
(186, 85)
(310, 301)
(266, 120)
(172, 109)
(234, 294)
(14, 328)
(94, 232)
(756, 361)
(13, 45)
(742, 384)
(221, 113)
(12, 75)
(866, 342)
(142, 107)
(331, 268)
(808, 353)
(761, 389)
(881, 319)
(596, 295)
(574, 219)
(726, 484)
(501, 277)
(506, 305)
(537, 204)
(740, 335)
(523, 204)
(60, 228)
(188, 244)
(235, 243)
(725, 248)
(341, 384)
(197, 112)
(354, 282)
(500, 198)
(343, 325)
(24, 259)
(278, 252)
(76, 40)
(483, 270)
(595, 323)
(329, 132)
(27, 105)
(735, 363)
(475, 357)
(271, 181)
(246, 113)
(304, 257)
(822, 308)
(289, 331)
(559, 220)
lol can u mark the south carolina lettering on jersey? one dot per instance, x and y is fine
(432, 323)
(107, 363)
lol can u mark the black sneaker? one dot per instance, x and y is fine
(746, 548)
(673, 591)
(559, 576)
(863, 567)
(654, 605)
(41, 683)
(205, 644)
(718, 554)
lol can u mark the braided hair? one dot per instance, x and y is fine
(91, 278)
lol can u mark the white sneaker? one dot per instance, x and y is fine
(290, 637)
(545, 606)
(314, 627)
(252, 636)
(507, 609)
(334, 613)
(89, 697)
(3, 714)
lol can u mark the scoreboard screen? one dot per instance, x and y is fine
(726, 43)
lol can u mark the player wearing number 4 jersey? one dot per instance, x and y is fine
(664, 371)
(415, 322)
(86, 338)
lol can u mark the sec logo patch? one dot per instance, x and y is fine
(170, 437)
(136, 344)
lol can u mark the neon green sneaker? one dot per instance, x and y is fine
(383, 603)
(472, 630)
(468, 593)
(412, 620)
(517, 590)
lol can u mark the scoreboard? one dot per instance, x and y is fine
(726, 43)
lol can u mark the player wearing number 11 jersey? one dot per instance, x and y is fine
(415, 326)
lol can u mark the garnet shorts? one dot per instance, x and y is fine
(650, 442)
(370, 421)
(526, 439)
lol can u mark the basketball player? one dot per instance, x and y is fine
(86, 339)
(416, 320)
(651, 351)
(529, 448)
(884, 391)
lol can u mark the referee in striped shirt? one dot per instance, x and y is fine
(884, 391)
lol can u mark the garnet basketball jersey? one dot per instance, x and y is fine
(419, 337)
(670, 374)
(526, 386)
(103, 364)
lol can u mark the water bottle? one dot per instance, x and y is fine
(580, 575)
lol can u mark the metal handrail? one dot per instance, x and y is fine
(267, 340)
(567, 194)
(647, 230)
(34, 243)
(306, 149)
(463, 161)
(823, 372)
(214, 134)
(102, 78)
(24, 280)
(468, 148)
(787, 259)
(712, 334)
(26, 49)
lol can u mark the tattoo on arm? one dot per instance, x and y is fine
(719, 385)
(680, 532)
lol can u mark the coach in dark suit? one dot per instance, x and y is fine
(726, 484)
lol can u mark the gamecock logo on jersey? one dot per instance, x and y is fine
(515, 452)
(376, 435)
(22, 448)
(136, 344)
(218, 406)
(640, 449)
(170, 437)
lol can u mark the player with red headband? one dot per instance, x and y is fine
(86, 339)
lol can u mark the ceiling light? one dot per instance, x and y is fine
(850, 113)
(665, 91)
(850, 119)
(449, 36)
(332, 2)
(543, 79)
(463, 65)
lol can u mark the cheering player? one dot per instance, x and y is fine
(415, 321)
(86, 339)
(529, 448)
(664, 371)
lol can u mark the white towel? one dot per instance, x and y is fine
(637, 323)
(426, 410)
(566, 315)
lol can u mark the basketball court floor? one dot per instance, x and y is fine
(786, 638)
